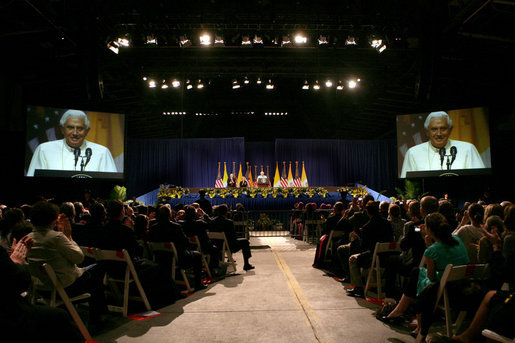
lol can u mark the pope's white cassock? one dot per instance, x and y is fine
(424, 156)
(57, 155)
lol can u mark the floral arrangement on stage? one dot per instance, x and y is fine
(355, 191)
(166, 193)
(274, 192)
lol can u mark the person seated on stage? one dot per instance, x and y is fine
(71, 152)
(262, 179)
(221, 224)
(193, 226)
(22, 322)
(231, 182)
(167, 231)
(244, 183)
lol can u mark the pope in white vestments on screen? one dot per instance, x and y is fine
(61, 154)
(426, 156)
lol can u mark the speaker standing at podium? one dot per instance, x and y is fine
(73, 152)
(440, 152)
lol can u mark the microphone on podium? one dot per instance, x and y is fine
(442, 155)
(89, 153)
(454, 151)
(76, 153)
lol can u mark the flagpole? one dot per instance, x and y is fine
(267, 173)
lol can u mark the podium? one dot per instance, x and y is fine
(263, 182)
(448, 173)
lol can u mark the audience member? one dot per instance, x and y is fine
(394, 217)
(471, 234)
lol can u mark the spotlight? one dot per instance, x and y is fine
(189, 85)
(245, 41)
(258, 41)
(316, 86)
(351, 40)
(219, 40)
(376, 43)
(205, 39)
(164, 85)
(339, 86)
(301, 39)
(322, 41)
(184, 42)
(381, 48)
(258, 81)
(329, 83)
(352, 84)
(305, 85)
(114, 47)
(123, 42)
(151, 40)
(286, 41)
(176, 83)
(269, 85)
(151, 84)
(145, 78)
(246, 80)
(200, 85)
(235, 84)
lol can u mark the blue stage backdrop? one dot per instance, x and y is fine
(194, 162)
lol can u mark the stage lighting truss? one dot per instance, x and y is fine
(174, 113)
(206, 114)
(242, 112)
(276, 114)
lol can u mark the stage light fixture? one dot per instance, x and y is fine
(381, 48)
(270, 85)
(351, 40)
(189, 85)
(300, 39)
(176, 83)
(123, 42)
(246, 80)
(145, 78)
(376, 43)
(305, 85)
(219, 40)
(316, 86)
(322, 41)
(352, 84)
(339, 86)
(151, 40)
(235, 84)
(329, 83)
(200, 84)
(184, 42)
(258, 81)
(114, 47)
(258, 40)
(286, 42)
(245, 41)
(164, 85)
(151, 84)
(205, 39)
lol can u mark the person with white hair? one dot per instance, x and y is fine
(73, 152)
(434, 154)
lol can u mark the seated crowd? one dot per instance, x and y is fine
(431, 233)
(45, 233)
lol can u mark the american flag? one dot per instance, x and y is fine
(284, 180)
(219, 183)
(296, 181)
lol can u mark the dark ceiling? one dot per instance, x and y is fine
(440, 54)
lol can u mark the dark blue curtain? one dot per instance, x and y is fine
(194, 162)
(338, 162)
(182, 162)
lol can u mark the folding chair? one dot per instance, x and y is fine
(226, 251)
(169, 247)
(44, 279)
(312, 230)
(333, 236)
(376, 265)
(130, 276)
(496, 337)
(194, 241)
(452, 273)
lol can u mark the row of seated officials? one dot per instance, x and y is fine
(53, 236)
(434, 230)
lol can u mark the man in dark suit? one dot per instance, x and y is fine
(205, 204)
(167, 231)
(222, 224)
